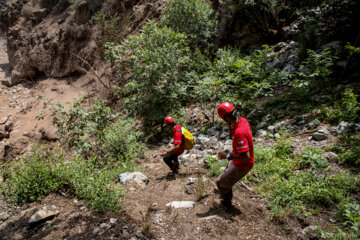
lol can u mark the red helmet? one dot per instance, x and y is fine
(168, 120)
(225, 108)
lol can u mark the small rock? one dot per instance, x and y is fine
(113, 220)
(271, 128)
(3, 120)
(191, 180)
(105, 226)
(45, 213)
(137, 177)
(261, 133)
(190, 189)
(4, 216)
(209, 217)
(181, 204)
(321, 134)
(330, 155)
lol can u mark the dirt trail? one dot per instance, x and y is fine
(207, 220)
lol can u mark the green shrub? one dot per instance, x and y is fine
(349, 149)
(349, 215)
(283, 146)
(80, 128)
(216, 166)
(347, 109)
(95, 186)
(160, 69)
(88, 131)
(195, 18)
(291, 191)
(316, 68)
(121, 140)
(33, 176)
(312, 157)
(235, 78)
(45, 170)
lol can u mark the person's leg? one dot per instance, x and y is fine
(226, 180)
(171, 159)
(176, 164)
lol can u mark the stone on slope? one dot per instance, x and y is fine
(181, 204)
(45, 213)
(137, 177)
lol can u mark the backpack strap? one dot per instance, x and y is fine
(179, 129)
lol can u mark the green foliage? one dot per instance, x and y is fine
(46, 170)
(349, 149)
(160, 69)
(81, 128)
(234, 77)
(122, 141)
(216, 166)
(95, 186)
(89, 131)
(312, 157)
(33, 176)
(293, 191)
(349, 215)
(347, 109)
(192, 17)
(352, 49)
(315, 68)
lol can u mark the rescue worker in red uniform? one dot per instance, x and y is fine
(241, 160)
(171, 156)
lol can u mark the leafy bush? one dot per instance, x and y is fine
(315, 68)
(81, 128)
(122, 141)
(349, 215)
(347, 109)
(216, 166)
(349, 149)
(291, 191)
(235, 78)
(45, 170)
(89, 131)
(160, 69)
(312, 157)
(95, 186)
(192, 17)
(33, 176)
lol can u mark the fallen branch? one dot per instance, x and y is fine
(92, 71)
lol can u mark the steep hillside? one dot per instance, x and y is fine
(85, 87)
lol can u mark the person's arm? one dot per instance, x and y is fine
(177, 146)
(244, 156)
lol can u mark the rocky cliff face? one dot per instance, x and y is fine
(45, 46)
(45, 42)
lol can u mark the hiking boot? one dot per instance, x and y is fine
(175, 171)
(226, 203)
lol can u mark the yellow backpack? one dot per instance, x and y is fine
(188, 139)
